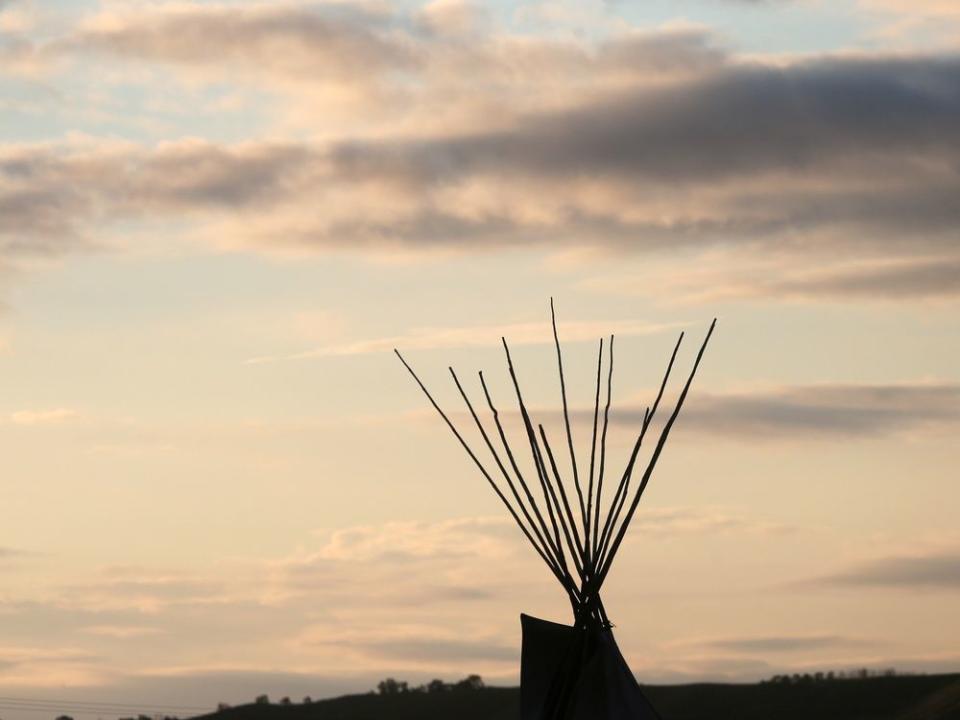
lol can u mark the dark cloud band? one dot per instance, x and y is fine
(852, 158)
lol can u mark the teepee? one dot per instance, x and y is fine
(571, 672)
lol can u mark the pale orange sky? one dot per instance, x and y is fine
(218, 218)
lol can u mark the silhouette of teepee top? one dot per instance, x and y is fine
(569, 528)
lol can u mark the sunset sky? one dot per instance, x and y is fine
(218, 218)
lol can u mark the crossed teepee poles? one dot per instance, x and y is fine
(590, 546)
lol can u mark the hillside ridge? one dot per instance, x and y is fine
(910, 697)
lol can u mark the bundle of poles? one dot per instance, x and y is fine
(571, 529)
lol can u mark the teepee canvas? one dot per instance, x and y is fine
(570, 672)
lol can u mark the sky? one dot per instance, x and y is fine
(218, 218)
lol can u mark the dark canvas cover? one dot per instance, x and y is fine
(569, 673)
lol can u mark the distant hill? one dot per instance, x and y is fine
(918, 697)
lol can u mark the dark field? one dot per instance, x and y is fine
(921, 697)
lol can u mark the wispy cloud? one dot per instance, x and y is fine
(435, 338)
(49, 666)
(940, 571)
(395, 541)
(121, 631)
(419, 645)
(43, 417)
(826, 411)
(776, 644)
(671, 521)
(803, 412)
(351, 40)
(892, 279)
(923, 278)
(143, 589)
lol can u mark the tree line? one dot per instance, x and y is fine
(389, 686)
(831, 676)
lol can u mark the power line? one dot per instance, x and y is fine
(92, 706)
(98, 703)
(69, 711)
(84, 710)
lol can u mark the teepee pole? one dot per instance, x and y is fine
(555, 552)
(593, 552)
(566, 417)
(593, 456)
(477, 462)
(664, 434)
(576, 549)
(617, 502)
(603, 456)
(503, 470)
(535, 452)
(648, 416)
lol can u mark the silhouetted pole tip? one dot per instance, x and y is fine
(601, 536)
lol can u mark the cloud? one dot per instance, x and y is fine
(18, 655)
(353, 605)
(733, 276)
(48, 666)
(340, 40)
(434, 338)
(405, 564)
(816, 132)
(938, 571)
(42, 417)
(672, 521)
(839, 159)
(121, 631)
(143, 589)
(396, 541)
(453, 17)
(367, 44)
(427, 646)
(814, 411)
(51, 198)
(779, 644)
(937, 277)
(401, 567)
(748, 119)
(441, 651)
(838, 174)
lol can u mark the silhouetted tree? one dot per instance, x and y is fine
(285, 701)
(223, 706)
(437, 686)
(307, 700)
(262, 700)
(389, 686)
(471, 682)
